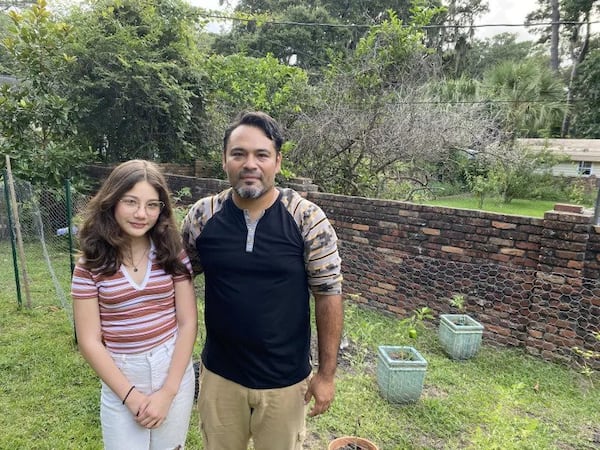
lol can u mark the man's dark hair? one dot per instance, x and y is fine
(261, 120)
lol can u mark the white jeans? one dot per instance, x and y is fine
(147, 371)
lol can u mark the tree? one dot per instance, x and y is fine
(566, 18)
(5, 24)
(547, 11)
(37, 121)
(138, 77)
(310, 34)
(577, 11)
(517, 169)
(237, 82)
(522, 98)
(487, 53)
(454, 36)
(284, 36)
(555, 18)
(371, 131)
(575, 16)
(526, 97)
(586, 98)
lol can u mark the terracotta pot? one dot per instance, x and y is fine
(341, 442)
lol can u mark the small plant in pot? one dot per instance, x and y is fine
(460, 334)
(401, 368)
(352, 442)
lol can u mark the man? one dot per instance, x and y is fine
(263, 250)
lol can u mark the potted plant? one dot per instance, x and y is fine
(351, 443)
(459, 334)
(401, 368)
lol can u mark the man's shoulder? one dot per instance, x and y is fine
(307, 215)
(202, 211)
(296, 203)
(210, 204)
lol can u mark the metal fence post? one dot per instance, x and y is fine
(69, 205)
(13, 240)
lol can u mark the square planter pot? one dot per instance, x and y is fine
(400, 373)
(460, 335)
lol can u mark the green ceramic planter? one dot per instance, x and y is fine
(460, 335)
(400, 373)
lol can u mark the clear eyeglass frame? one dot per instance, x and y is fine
(153, 208)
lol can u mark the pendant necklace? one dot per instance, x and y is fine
(133, 264)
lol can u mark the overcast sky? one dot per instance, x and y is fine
(501, 11)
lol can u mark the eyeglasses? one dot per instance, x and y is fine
(153, 208)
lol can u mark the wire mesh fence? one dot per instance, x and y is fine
(43, 220)
(521, 308)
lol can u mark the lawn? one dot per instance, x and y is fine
(522, 207)
(500, 399)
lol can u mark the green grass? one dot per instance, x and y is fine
(531, 208)
(500, 399)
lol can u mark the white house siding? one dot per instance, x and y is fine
(578, 150)
(569, 169)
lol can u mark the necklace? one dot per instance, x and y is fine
(133, 263)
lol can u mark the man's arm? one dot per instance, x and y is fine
(329, 316)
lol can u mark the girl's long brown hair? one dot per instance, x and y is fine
(101, 239)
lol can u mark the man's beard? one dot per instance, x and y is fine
(250, 192)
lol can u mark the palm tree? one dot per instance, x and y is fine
(528, 98)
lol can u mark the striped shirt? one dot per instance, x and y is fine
(133, 318)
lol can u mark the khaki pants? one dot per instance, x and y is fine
(231, 414)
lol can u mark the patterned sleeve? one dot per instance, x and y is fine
(83, 286)
(322, 259)
(190, 230)
(193, 223)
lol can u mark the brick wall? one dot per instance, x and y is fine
(200, 187)
(532, 283)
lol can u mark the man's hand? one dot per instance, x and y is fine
(323, 390)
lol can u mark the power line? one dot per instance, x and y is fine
(367, 26)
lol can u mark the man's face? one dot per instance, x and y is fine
(251, 162)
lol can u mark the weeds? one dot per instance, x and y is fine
(500, 399)
(589, 360)
(414, 324)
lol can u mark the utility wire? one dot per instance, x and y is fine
(349, 25)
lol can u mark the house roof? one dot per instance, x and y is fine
(576, 149)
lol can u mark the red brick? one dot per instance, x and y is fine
(564, 207)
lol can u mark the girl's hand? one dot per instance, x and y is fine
(155, 411)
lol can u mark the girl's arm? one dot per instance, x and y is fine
(86, 313)
(187, 328)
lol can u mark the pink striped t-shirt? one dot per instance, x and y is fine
(133, 318)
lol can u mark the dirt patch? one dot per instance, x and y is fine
(352, 358)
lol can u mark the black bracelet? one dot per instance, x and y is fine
(128, 392)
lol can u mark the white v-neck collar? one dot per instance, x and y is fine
(144, 282)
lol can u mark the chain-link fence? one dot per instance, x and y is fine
(37, 229)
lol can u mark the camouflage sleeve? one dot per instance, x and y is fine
(194, 222)
(321, 256)
(190, 229)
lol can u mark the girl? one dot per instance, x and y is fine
(135, 310)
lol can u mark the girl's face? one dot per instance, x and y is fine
(138, 209)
